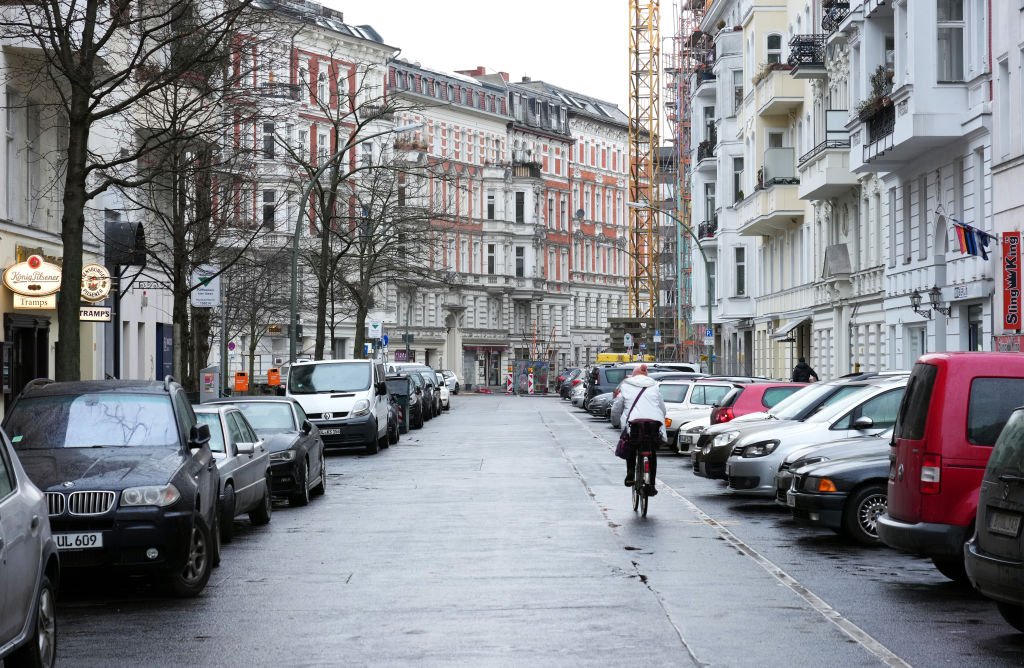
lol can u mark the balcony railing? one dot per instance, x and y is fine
(280, 89)
(807, 50)
(705, 76)
(881, 123)
(824, 146)
(834, 13)
(779, 168)
(707, 229)
(706, 149)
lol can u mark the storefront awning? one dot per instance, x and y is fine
(783, 332)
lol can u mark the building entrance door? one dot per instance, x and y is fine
(26, 352)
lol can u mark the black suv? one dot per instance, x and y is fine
(128, 474)
(603, 379)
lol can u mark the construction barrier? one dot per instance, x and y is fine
(529, 383)
(508, 382)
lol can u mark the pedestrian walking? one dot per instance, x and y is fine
(803, 373)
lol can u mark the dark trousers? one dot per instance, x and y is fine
(644, 436)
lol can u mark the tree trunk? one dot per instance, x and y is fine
(360, 337)
(201, 320)
(68, 354)
(322, 283)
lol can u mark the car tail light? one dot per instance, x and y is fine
(576, 382)
(931, 474)
(720, 415)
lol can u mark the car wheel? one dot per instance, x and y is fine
(860, 517)
(40, 650)
(301, 495)
(261, 514)
(953, 568)
(456, 388)
(321, 487)
(1013, 614)
(418, 424)
(393, 435)
(384, 441)
(194, 575)
(227, 515)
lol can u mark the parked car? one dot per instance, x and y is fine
(346, 399)
(395, 419)
(714, 447)
(748, 398)
(562, 377)
(756, 455)
(422, 403)
(452, 380)
(298, 469)
(242, 463)
(445, 394)
(434, 387)
(956, 405)
(689, 434)
(579, 396)
(687, 400)
(846, 495)
(406, 396)
(574, 379)
(129, 477)
(995, 555)
(604, 378)
(601, 405)
(858, 446)
(29, 568)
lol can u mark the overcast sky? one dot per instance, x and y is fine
(582, 45)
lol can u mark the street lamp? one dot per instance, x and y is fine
(352, 141)
(707, 265)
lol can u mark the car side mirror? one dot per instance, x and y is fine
(245, 448)
(307, 426)
(863, 422)
(198, 436)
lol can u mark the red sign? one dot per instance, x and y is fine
(1007, 344)
(1011, 281)
(402, 356)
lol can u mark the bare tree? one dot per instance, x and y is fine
(105, 60)
(253, 298)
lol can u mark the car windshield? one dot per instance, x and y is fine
(1008, 454)
(212, 420)
(834, 407)
(268, 416)
(798, 403)
(93, 420)
(315, 378)
(673, 393)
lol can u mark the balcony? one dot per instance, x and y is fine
(776, 93)
(776, 203)
(708, 229)
(280, 89)
(834, 12)
(807, 56)
(894, 130)
(704, 82)
(825, 169)
(706, 149)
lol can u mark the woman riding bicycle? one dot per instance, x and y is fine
(640, 401)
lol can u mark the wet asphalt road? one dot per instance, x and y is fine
(501, 534)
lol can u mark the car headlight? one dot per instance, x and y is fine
(282, 456)
(760, 449)
(807, 462)
(821, 485)
(726, 438)
(699, 429)
(160, 496)
(361, 407)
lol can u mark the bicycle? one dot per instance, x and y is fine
(645, 435)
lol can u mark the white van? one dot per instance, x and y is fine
(346, 399)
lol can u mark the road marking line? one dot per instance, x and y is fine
(850, 629)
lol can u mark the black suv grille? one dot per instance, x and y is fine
(55, 503)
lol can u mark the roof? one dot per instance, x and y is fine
(321, 16)
(579, 103)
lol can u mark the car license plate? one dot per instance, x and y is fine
(330, 432)
(1005, 524)
(791, 499)
(78, 541)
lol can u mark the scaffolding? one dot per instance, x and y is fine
(644, 133)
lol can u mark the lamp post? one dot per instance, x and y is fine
(707, 266)
(340, 153)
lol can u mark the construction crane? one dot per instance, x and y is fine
(644, 131)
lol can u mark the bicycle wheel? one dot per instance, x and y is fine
(636, 487)
(642, 483)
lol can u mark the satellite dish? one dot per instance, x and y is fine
(580, 214)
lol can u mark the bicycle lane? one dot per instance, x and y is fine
(743, 611)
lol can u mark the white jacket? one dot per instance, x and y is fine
(650, 407)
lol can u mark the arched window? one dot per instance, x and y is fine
(774, 44)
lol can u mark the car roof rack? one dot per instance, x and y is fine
(168, 379)
(36, 382)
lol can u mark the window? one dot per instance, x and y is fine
(490, 206)
(520, 207)
(737, 179)
(950, 52)
(741, 271)
(269, 208)
(989, 407)
(303, 147)
(881, 409)
(737, 90)
(712, 281)
(774, 395)
(520, 261)
(916, 401)
(775, 139)
(321, 89)
(774, 49)
(7, 482)
(490, 258)
(268, 141)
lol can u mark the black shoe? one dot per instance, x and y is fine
(652, 490)
(629, 482)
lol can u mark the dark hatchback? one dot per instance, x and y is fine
(846, 495)
(406, 395)
(994, 557)
(129, 477)
(298, 469)
(604, 379)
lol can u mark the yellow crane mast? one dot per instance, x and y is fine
(644, 128)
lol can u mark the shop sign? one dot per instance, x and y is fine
(1011, 281)
(35, 277)
(95, 282)
(95, 314)
(44, 303)
(1007, 344)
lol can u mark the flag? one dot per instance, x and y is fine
(972, 240)
(983, 239)
(961, 237)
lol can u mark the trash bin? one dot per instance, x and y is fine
(400, 389)
(241, 382)
(273, 376)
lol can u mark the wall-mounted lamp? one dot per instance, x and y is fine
(935, 296)
(915, 304)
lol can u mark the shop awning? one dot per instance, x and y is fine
(783, 332)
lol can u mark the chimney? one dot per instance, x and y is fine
(478, 72)
(526, 79)
(504, 76)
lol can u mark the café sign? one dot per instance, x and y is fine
(35, 277)
(95, 283)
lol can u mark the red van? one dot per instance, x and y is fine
(955, 406)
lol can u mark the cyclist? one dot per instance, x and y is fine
(639, 400)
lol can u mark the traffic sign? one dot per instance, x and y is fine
(627, 340)
(206, 286)
(709, 340)
(657, 337)
(643, 346)
(709, 333)
(376, 329)
(384, 340)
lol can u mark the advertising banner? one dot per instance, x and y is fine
(1011, 281)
